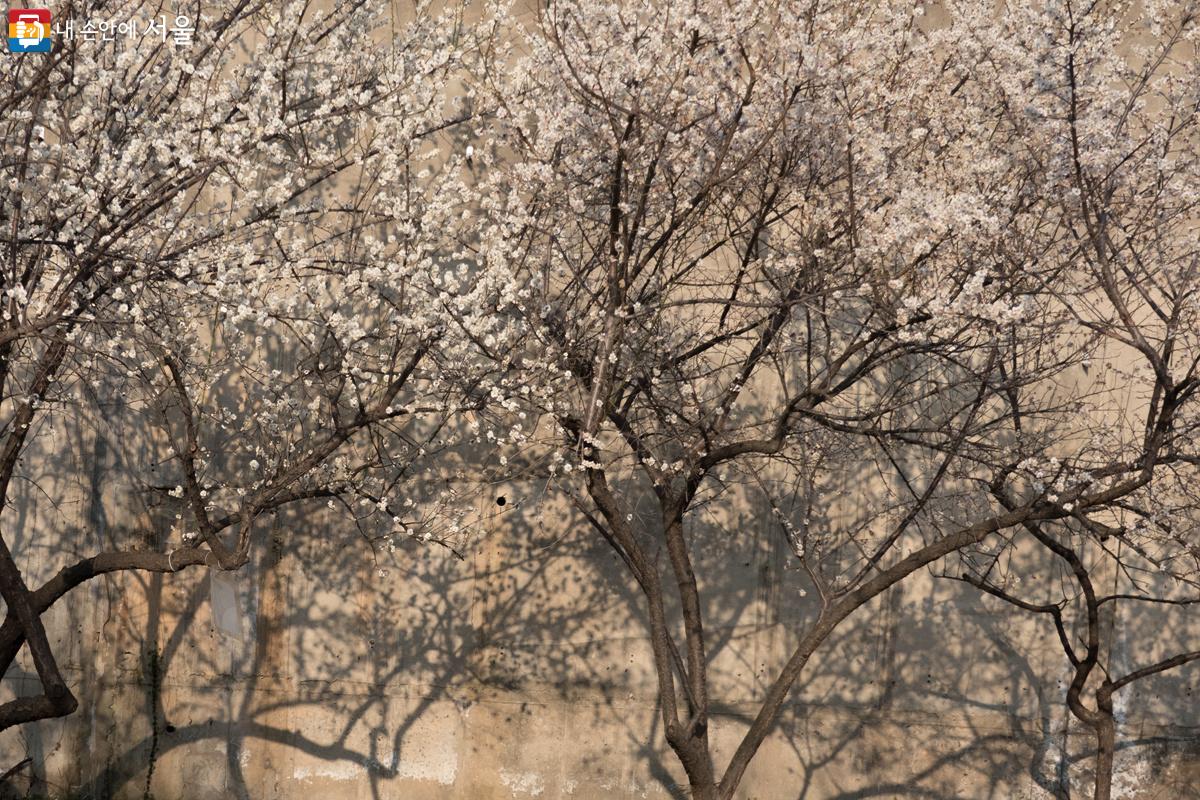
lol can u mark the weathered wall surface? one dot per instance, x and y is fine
(524, 672)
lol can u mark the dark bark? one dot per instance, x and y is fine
(14, 632)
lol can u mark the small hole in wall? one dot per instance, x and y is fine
(170, 729)
(501, 500)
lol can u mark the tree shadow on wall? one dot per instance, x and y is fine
(346, 672)
(972, 704)
(414, 669)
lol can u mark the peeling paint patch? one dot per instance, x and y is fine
(335, 770)
(523, 782)
(569, 786)
(442, 767)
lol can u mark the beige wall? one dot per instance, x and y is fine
(523, 671)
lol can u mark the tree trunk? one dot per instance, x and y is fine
(694, 756)
(1106, 743)
(1105, 747)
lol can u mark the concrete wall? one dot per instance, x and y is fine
(523, 671)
